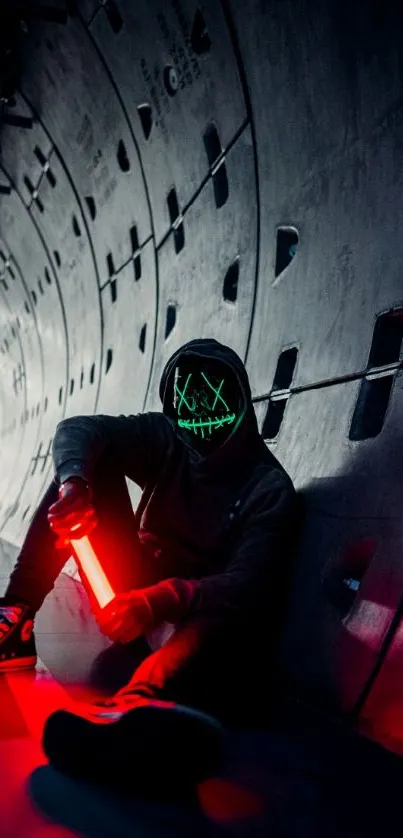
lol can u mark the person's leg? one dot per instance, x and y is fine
(114, 540)
(162, 733)
(206, 665)
(116, 544)
(38, 563)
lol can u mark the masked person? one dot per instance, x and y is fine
(206, 551)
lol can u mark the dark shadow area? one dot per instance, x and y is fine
(82, 807)
(305, 776)
(345, 601)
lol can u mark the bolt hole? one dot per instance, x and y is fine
(110, 264)
(142, 341)
(370, 410)
(76, 226)
(387, 339)
(29, 185)
(173, 206)
(285, 369)
(135, 252)
(91, 207)
(113, 14)
(51, 178)
(146, 118)
(230, 286)
(273, 418)
(199, 37)
(109, 357)
(174, 214)
(40, 156)
(122, 157)
(39, 204)
(170, 320)
(212, 144)
(286, 248)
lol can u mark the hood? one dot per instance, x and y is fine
(246, 435)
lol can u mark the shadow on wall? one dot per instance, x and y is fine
(348, 578)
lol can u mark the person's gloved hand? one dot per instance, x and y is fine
(127, 617)
(73, 515)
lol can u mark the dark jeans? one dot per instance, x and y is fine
(208, 660)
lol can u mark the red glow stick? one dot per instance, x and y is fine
(96, 577)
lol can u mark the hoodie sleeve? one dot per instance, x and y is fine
(140, 444)
(266, 538)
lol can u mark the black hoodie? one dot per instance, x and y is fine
(224, 521)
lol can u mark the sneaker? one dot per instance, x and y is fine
(110, 709)
(17, 639)
(151, 747)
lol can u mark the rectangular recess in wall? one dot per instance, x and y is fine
(387, 339)
(285, 369)
(274, 417)
(371, 407)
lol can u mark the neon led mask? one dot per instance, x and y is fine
(206, 401)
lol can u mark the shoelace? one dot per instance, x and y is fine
(118, 703)
(9, 616)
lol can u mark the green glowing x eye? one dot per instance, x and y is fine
(182, 395)
(217, 392)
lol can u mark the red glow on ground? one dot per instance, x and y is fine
(37, 695)
(224, 800)
(18, 815)
(26, 700)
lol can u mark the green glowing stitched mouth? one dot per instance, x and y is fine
(193, 425)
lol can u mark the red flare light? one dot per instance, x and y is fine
(96, 577)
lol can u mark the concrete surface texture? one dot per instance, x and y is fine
(230, 170)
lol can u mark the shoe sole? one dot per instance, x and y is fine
(147, 748)
(18, 663)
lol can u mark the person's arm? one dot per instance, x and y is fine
(140, 444)
(265, 540)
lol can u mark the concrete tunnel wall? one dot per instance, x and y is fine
(230, 170)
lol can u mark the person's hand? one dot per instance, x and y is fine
(73, 515)
(126, 617)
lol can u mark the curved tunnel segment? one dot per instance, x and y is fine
(230, 170)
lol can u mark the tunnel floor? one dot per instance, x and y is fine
(303, 775)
